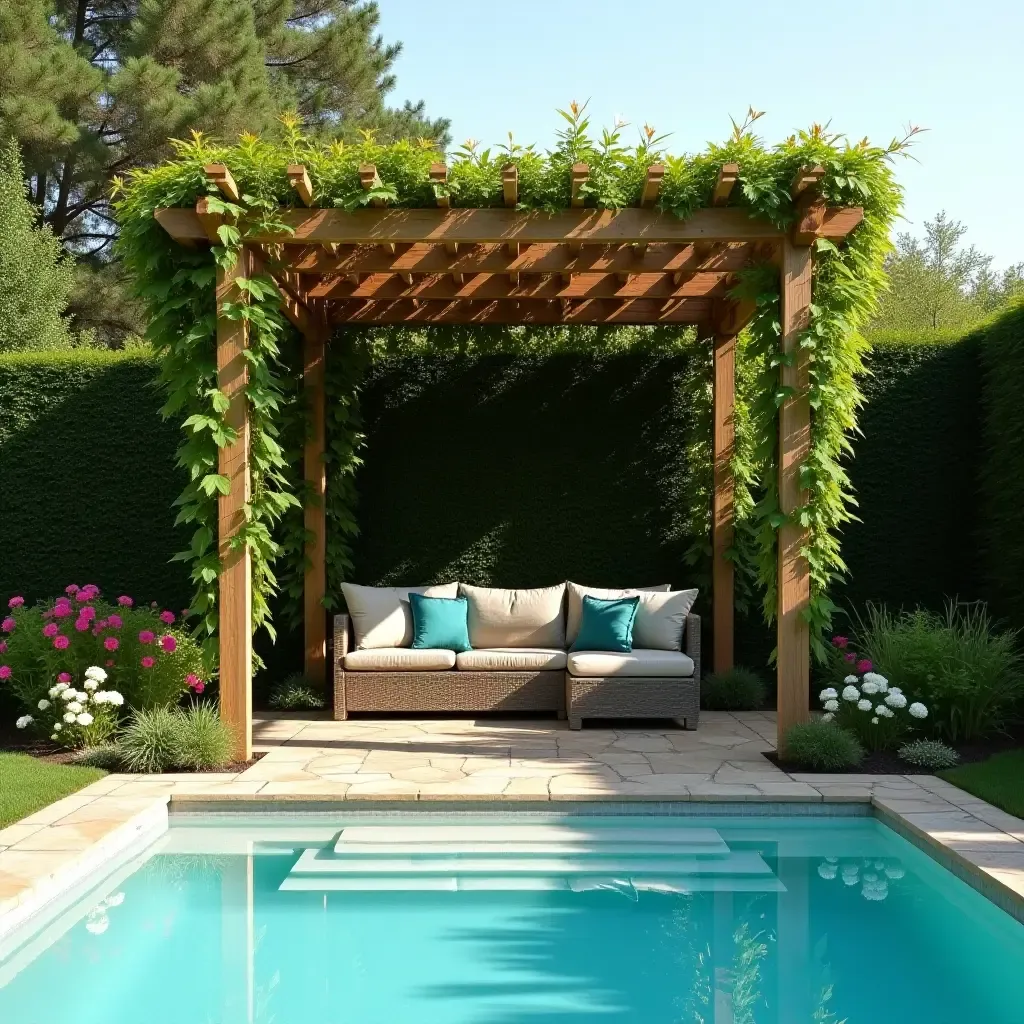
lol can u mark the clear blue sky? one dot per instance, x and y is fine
(871, 67)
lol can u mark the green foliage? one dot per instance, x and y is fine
(821, 747)
(958, 664)
(1001, 342)
(296, 693)
(737, 689)
(177, 285)
(164, 739)
(35, 278)
(30, 784)
(996, 780)
(931, 754)
(88, 477)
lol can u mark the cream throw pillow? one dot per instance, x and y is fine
(381, 616)
(660, 617)
(515, 618)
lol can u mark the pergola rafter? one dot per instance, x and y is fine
(501, 265)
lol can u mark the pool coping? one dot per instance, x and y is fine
(56, 849)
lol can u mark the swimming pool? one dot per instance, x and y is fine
(541, 918)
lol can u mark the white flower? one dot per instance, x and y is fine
(895, 699)
(851, 680)
(69, 717)
(54, 736)
(61, 686)
(108, 697)
(895, 689)
(869, 688)
(85, 718)
(864, 705)
(90, 683)
(832, 705)
(57, 727)
(827, 717)
(876, 678)
(851, 693)
(827, 870)
(69, 694)
(97, 925)
(874, 721)
(43, 705)
(54, 691)
(74, 707)
(95, 672)
(918, 710)
(24, 722)
(828, 694)
(883, 712)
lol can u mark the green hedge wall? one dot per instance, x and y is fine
(87, 478)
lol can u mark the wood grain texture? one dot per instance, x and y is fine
(314, 509)
(724, 440)
(794, 580)
(235, 582)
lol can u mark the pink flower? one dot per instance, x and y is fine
(125, 601)
(15, 602)
(146, 636)
(195, 683)
(167, 617)
(61, 610)
(100, 624)
(64, 677)
(850, 657)
(60, 641)
(841, 642)
(3, 646)
(169, 644)
(148, 662)
(863, 665)
(114, 621)
(81, 625)
(82, 596)
(91, 589)
(8, 625)
(111, 643)
(88, 613)
(51, 629)
(199, 687)
(71, 588)
(5, 671)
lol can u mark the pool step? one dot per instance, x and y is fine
(532, 840)
(530, 883)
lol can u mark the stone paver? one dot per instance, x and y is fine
(489, 760)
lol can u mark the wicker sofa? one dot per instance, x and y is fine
(521, 660)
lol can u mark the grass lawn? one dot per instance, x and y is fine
(26, 784)
(999, 780)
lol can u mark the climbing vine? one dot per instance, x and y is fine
(178, 284)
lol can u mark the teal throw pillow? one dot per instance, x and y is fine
(607, 625)
(440, 623)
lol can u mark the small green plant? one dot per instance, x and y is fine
(736, 689)
(148, 741)
(821, 747)
(202, 740)
(162, 739)
(932, 754)
(105, 755)
(295, 693)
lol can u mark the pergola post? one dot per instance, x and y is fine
(722, 499)
(794, 580)
(235, 582)
(314, 511)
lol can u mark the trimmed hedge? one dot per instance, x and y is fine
(87, 477)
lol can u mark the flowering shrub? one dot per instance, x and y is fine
(149, 658)
(878, 714)
(77, 718)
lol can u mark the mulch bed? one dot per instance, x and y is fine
(885, 762)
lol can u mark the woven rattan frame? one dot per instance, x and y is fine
(639, 697)
(440, 691)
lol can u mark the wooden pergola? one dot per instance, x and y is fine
(507, 266)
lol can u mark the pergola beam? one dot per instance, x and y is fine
(728, 175)
(510, 185)
(578, 178)
(299, 177)
(221, 177)
(652, 185)
(439, 178)
(370, 179)
(592, 227)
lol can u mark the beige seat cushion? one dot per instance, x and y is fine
(642, 663)
(511, 659)
(660, 616)
(515, 618)
(381, 616)
(399, 659)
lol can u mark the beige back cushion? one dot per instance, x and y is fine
(515, 618)
(660, 616)
(381, 616)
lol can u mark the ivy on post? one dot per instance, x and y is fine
(235, 581)
(314, 510)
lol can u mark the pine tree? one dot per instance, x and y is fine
(35, 274)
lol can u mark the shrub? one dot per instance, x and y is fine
(932, 754)
(73, 717)
(737, 689)
(821, 746)
(295, 693)
(106, 756)
(148, 659)
(967, 672)
(160, 739)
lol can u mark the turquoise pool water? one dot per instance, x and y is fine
(547, 921)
